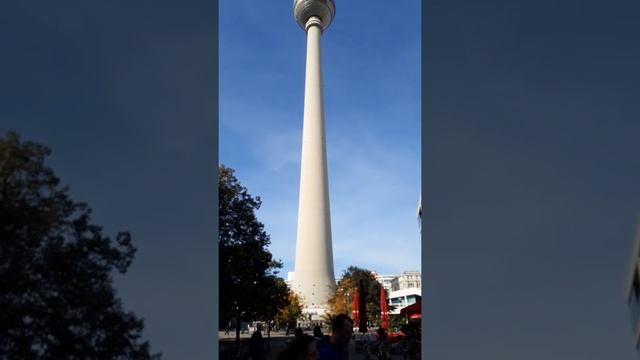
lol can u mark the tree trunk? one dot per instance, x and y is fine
(268, 335)
(363, 306)
(238, 324)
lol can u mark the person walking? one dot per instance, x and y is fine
(302, 347)
(336, 346)
(382, 345)
(226, 331)
(317, 332)
(256, 346)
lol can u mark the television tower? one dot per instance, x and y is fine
(313, 278)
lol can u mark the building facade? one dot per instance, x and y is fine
(400, 299)
(404, 289)
(407, 280)
(386, 281)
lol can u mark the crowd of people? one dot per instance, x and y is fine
(319, 346)
(335, 346)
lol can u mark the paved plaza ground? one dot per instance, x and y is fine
(279, 340)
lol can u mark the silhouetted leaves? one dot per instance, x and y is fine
(56, 294)
(249, 287)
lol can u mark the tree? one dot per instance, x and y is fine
(291, 312)
(249, 287)
(277, 299)
(342, 300)
(57, 298)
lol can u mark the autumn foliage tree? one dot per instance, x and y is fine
(291, 312)
(57, 299)
(342, 299)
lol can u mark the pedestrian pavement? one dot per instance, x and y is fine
(279, 340)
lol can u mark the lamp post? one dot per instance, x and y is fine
(346, 302)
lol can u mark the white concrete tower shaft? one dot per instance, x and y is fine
(314, 277)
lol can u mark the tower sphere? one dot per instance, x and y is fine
(304, 9)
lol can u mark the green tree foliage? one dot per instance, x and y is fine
(57, 299)
(249, 287)
(343, 297)
(277, 298)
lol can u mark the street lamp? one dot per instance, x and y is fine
(346, 302)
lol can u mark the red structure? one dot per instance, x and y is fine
(413, 311)
(355, 307)
(384, 310)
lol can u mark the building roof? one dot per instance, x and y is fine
(412, 272)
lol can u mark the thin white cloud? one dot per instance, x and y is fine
(277, 150)
(373, 197)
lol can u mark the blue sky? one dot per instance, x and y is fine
(530, 138)
(371, 63)
(531, 178)
(124, 92)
